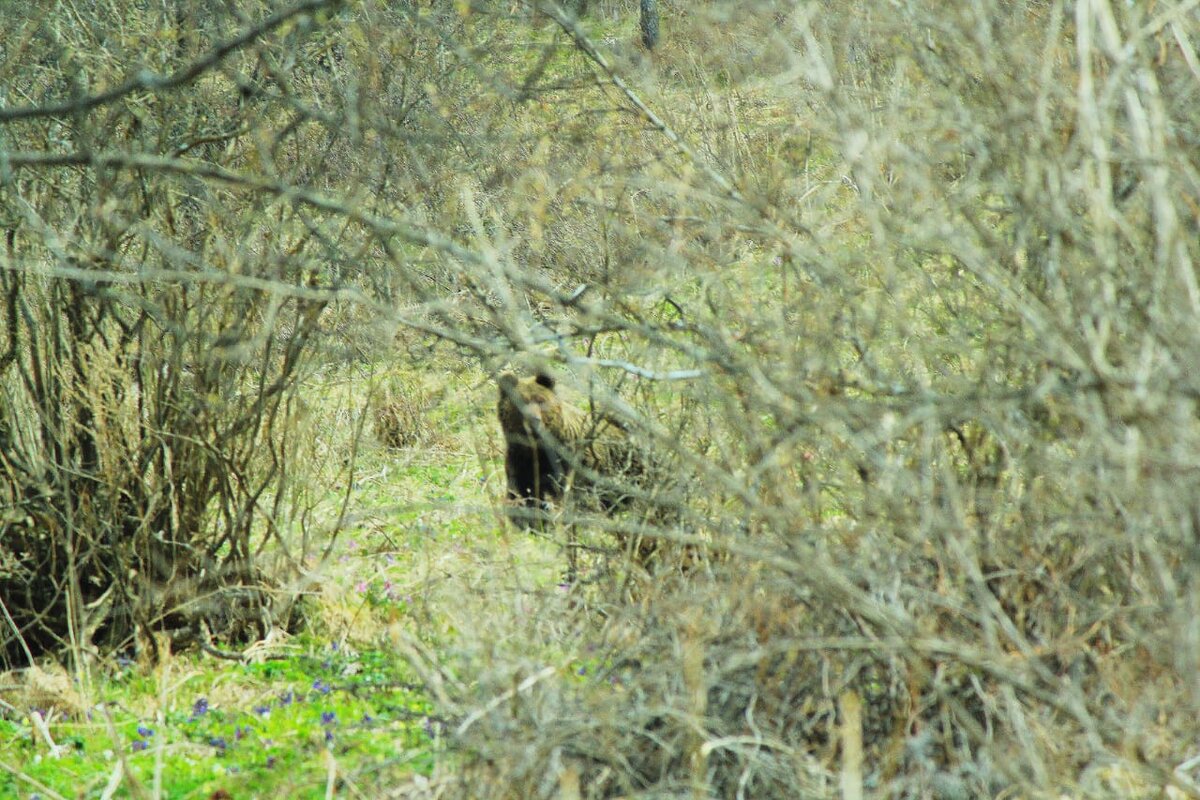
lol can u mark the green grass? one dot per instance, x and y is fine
(276, 728)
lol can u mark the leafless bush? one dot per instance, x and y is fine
(924, 348)
(148, 415)
(145, 437)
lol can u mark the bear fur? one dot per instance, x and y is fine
(552, 446)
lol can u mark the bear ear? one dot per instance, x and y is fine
(545, 379)
(507, 381)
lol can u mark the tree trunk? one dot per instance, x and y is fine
(649, 23)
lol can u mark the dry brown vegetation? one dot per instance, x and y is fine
(904, 296)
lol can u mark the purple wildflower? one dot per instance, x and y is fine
(139, 744)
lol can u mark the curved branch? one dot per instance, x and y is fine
(147, 80)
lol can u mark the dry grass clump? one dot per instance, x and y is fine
(400, 416)
(45, 689)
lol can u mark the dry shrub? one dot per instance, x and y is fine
(915, 322)
(155, 332)
(134, 484)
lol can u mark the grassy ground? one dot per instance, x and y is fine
(195, 726)
(421, 558)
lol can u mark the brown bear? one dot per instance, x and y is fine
(552, 445)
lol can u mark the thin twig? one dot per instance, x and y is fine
(34, 782)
